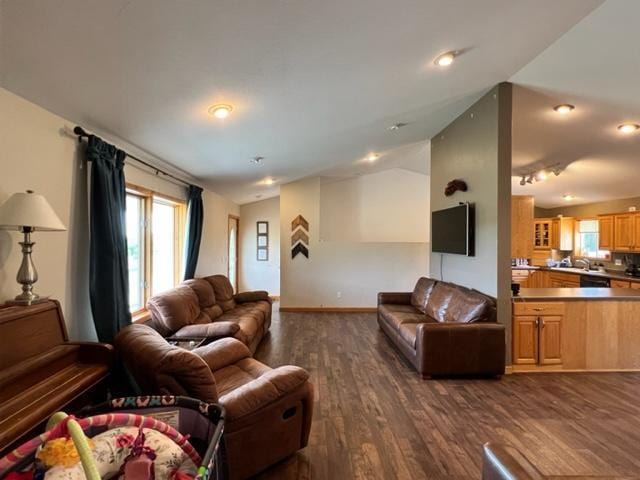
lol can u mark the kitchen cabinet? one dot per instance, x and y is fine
(521, 226)
(635, 285)
(537, 333)
(542, 234)
(538, 279)
(564, 280)
(623, 232)
(636, 232)
(620, 284)
(563, 233)
(605, 232)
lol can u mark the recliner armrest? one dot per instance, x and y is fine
(255, 296)
(394, 298)
(222, 353)
(208, 330)
(502, 462)
(461, 348)
(262, 391)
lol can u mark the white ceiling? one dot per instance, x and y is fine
(596, 67)
(315, 84)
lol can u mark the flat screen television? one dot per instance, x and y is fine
(452, 230)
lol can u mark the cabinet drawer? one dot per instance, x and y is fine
(550, 308)
(620, 284)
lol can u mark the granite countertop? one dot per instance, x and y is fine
(577, 294)
(580, 271)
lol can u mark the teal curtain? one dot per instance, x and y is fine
(108, 270)
(195, 215)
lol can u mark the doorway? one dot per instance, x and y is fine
(232, 242)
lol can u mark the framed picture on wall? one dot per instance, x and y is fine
(262, 241)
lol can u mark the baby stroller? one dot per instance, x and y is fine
(196, 427)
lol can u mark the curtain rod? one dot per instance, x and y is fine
(80, 132)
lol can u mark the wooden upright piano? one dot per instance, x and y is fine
(41, 371)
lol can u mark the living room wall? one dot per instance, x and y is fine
(476, 147)
(340, 273)
(255, 274)
(37, 153)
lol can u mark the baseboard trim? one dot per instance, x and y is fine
(329, 309)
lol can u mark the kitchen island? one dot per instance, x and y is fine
(576, 329)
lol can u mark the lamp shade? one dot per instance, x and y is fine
(29, 210)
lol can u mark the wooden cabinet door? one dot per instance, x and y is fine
(525, 340)
(635, 285)
(636, 232)
(555, 234)
(623, 232)
(550, 340)
(605, 232)
(521, 226)
(619, 284)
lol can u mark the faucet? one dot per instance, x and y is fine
(586, 262)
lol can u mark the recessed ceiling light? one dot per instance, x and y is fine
(568, 197)
(256, 160)
(221, 110)
(269, 181)
(628, 128)
(564, 108)
(397, 126)
(445, 59)
(372, 157)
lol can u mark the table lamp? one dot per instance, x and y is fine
(28, 212)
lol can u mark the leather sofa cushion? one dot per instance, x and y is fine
(421, 293)
(249, 385)
(396, 315)
(204, 291)
(208, 330)
(408, 333)
(176, 308)
(213, 311)
(162, 368)
(452, 303)
(223, 291)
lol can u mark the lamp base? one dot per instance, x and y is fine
(24, 302)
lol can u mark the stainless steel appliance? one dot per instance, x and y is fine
(592, 281)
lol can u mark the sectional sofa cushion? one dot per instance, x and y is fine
(450, 303)
(421, 293)
(176, 308)
(223, 291)
(206, 296)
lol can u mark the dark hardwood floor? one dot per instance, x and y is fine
(375, 418)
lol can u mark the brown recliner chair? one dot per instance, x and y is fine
(268, 411)
(444, 329)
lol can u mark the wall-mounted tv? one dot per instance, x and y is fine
(453, 230)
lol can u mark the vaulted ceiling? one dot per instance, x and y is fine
(314, 84)
(595, 66)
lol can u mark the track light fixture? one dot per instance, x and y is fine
(541, 174)
(523, 180)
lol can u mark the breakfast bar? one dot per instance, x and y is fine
(576, 329)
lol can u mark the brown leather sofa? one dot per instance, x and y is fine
(268, 411)
(503, 462)
(444, 329)
(207, 308)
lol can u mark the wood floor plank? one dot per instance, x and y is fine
(375, 418)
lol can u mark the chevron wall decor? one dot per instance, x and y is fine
(299, 237)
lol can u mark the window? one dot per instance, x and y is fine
(155, 232)
(587, 240)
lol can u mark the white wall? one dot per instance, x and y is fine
(37, 153)
(254, 274)
(387, 206)
(359, 270)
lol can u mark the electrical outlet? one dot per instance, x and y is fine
(339, 294)
(618, 262)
